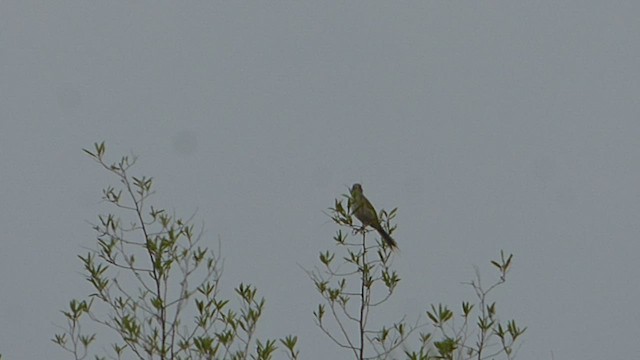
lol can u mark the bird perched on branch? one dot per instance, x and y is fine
(366, 213)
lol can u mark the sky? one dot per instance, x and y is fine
(489, 125)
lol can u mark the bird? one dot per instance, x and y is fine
(366, 213)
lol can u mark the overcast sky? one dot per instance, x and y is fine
(490, 125)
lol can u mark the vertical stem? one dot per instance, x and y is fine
(155, 275)
(484, 317)
(363, 298)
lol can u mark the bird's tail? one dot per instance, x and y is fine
(387, 238)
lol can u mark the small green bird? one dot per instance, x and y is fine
(366, 213)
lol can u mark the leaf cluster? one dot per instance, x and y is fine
(481, 335)
(354, 285)
(149, 273)
(348, 285)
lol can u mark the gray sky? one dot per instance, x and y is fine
(490, 125)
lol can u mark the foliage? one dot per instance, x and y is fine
(149, 274)
(486, 338)
(355, 284)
